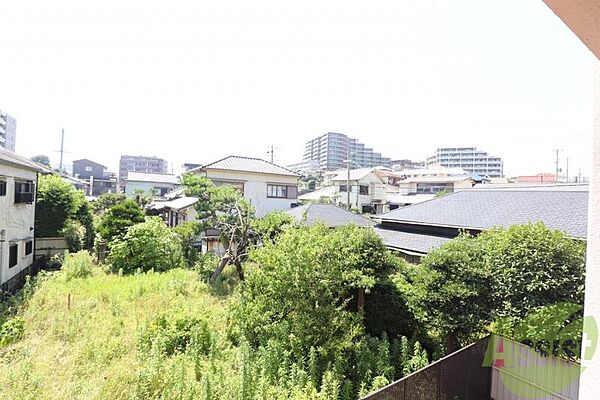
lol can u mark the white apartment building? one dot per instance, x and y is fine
(468, 158)
(18, 177)
(268, 187)
(331, 149)
(8, 131)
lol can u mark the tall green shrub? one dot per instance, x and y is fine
(118, 218)
(149, 245)
(57, 201)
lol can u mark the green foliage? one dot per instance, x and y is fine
(85, 217)
(534, 266)
(457, 283)
(41, 159)
(118, 218)
(57, 201)
(272, 225)
(77, 265)
(169, 334)
(12, 331)
(186, 234)
(143, 198)
(75, 235)
(149, 245)
(201, 188)
(107, 200)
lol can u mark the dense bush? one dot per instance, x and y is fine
(149, 245)
(107, 200)
(187, 233)
(272, 225)
(118, 218)
(77, 265)
(502, 274)
(58, 203)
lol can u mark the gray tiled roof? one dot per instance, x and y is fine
(332, 216)
(8, 157)
(133, 176)
(484, 209)
(412, 242)
(247, 164)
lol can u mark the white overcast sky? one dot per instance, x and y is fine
(193, 81)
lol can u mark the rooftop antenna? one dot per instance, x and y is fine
(557, 169)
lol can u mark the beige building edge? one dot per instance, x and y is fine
(583, 18)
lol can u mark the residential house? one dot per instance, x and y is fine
(18, 177)
(268, 187)
(329, 214)
(434, 185)
(100, 181)
(153, 165)
(415, 230)
(176, 211)
(367, 190)
(159, 184)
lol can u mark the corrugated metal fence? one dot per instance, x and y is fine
(492, 368)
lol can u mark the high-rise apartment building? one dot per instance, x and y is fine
(140, 164)
(8, 131)
(468, 158)
(331, 149)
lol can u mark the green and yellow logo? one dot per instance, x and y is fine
(554, 336)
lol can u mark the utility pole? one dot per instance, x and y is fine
(62, 149)
(272, 152)
(556, 167)
(348, 161)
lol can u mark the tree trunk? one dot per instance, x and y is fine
(222, 264)
(240, 270)
(451, 343)
(360, 300)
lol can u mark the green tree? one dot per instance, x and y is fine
(272, 225)
(106, 201)
(534, 266)
(452, 290)
(119, 218)
(41, 159)
(149, 245)
(57, 201)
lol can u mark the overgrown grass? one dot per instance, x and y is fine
(82, 334)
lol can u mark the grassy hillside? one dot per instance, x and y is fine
(90, 348)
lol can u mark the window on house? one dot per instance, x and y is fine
(364, 190)
(12, 255)
(343, 188)
(277, 191)
(2, 188)
(28, 247)
(24, 192)
(88, 169)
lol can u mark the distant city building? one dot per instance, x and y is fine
(8, 131)
(398, 165)
(539, 178)
(141, 164)
(100, 181)
(468, 158)
(306, 167)
(331, 149)
(158, 183)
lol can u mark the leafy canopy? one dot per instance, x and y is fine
(119, 218)
(57, 201)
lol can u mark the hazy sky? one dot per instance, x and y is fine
(193, 81)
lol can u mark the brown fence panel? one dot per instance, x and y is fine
(459, 376)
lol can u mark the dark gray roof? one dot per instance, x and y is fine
(332, 216)
(247, 164)
(484, 209)
(412, 242)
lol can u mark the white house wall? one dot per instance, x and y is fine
(255, 188)
(16, 222)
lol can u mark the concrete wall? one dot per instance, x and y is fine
(255, 188)
(16, 223)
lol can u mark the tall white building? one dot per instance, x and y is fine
(8, 131)
(468, 158)
(331, 149)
